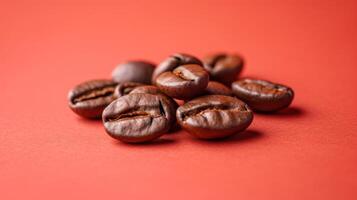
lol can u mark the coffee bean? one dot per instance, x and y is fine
(223, 68)
(214, 116)
(133, 71)
(150, 89)
(90, 98)
(173, 62)
(217, 88)
(125, 88)
(138, 117)
(263, 95)
(185, 82)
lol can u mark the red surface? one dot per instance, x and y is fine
(307, 152)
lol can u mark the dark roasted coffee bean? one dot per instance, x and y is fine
(90, 98)
(214, 116)
(133, 71)
(223, 68)
(125, 88)
(138, 117)
(263, 95)
(173, 62)
(217, 88)
(185, 82)
(150, 89)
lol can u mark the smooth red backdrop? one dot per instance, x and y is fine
(306, 152)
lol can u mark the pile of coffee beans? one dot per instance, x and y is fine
(142, 102)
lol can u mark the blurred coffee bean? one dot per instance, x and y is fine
(223, 68)
(133, 71)
(89, 99)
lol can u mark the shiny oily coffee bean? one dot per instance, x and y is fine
(214, 116)
(173, 62)
(185, 82)
(125, 88)
(150, 89)
(216, 88)
(89, 99)
(133, 71)
(223, 68)
(138, 117)
(262, 95)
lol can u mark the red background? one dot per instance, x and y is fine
(306, 152)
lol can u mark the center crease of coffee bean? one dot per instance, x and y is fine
(182, 76)
(86, 96)
(203, 109)
(131, 115)
(138, 114)
(262, 90)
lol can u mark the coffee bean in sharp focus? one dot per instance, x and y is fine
(90, 98)
(150, 89)
(223, 68)
(263, 96)
(125, 88)
(216, 88)
(173, 62)
(214, 116)
(133, 71)
(138, 117)
(185, 82)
